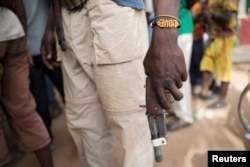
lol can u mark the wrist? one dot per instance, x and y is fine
(167, 37)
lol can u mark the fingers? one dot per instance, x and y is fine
(184, 76)
(46, 57)
(47, 63)
(176, 93)
(30, 60)
(162, 98)
(173, 87)
(55, 64)
(167, 91)
(179, 83)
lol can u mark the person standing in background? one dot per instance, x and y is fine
(217, 60)
(16, 97)
(183, 109)
(37, 16)
(104, 78)
(198, 44)
(54, 106)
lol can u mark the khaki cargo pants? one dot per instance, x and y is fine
(104, 84)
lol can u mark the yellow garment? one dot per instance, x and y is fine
(218, 6)
(217, 58)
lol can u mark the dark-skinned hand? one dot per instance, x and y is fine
(48, 50)
(165, 66)
(30, 60)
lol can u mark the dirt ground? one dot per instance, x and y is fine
(217, 130)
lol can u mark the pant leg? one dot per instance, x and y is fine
(18, 100)
(50, 91)
(196, 56)
(39, 90)
(120, 79)
(86, 120)
(54, 75)
(4, 150)
(86, 109)
(183, 108)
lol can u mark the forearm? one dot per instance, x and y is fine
(50, 21)
(49, 31)
(170, 7)
(166, 36)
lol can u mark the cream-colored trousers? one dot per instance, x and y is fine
(183, 108)
(104, 84)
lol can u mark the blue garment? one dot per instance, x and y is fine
(137, 4)
(37, 15)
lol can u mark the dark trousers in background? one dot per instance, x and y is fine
(197, 54)
(38, 88)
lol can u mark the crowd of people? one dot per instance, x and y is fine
(101, 74)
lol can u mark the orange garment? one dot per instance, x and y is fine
(198, 23)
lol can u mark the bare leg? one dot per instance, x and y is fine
(44, 157)
(206, 80)
(223, 91)
(220, 103)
